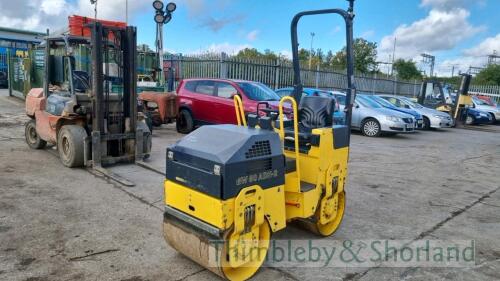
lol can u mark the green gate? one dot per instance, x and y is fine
(19, 74)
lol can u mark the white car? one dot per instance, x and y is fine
(493, 111)
(432, 118)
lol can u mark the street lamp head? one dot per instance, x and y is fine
(158, 5)
(168, 17)
(171, 7)
(159, 18)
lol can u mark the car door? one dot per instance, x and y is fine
(224, 103)
(202, 101)
(356, 115)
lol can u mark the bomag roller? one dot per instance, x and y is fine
(229, 187)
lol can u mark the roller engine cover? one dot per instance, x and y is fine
(221, 160)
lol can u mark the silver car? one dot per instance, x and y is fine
(372, 119)
(432, 118)
(482, 105)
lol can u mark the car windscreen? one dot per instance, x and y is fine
(367, 102)
(410, 103)
(258, 91)
(383, 102)
(479, 101)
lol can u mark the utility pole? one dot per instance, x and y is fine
(430, 60)
(393, 56)
(311, 51)
(126, 11)
(492, 59)
(453, 66)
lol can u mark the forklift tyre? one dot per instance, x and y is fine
(32, 138)
(185, 122)
(70, 144)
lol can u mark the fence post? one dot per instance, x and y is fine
(317, 76)
(223, 65)
(395, 81)
(277, 70)
(373, 83)
(9, 73)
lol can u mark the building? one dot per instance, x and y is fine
(16, 42)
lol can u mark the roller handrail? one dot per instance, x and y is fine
(240, 113)
(295, 130)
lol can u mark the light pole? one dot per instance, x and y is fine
(393, 56)
(161, 17)
(94, 2)
(311, 51)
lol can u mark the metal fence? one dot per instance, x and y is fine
(279, 74)
(486, 90)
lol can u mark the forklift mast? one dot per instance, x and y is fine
(348, 16)
(114, 116)
(463, 99)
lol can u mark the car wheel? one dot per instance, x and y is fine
(70, 144)
(32, 138)
(371, 128)
(493, 119)
(470, 120)
(185, 122)
(427, 123)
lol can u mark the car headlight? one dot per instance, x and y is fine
(393, 118)
(441, 116)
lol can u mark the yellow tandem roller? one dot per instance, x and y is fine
(229, 187)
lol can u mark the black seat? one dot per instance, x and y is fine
(314, 112)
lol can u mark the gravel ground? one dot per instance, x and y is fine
(67, 224)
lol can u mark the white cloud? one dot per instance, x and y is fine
(487, 47)
(475, 57)
(444, 4)
(287, 54)
(439, 31)
(225, 47)
(252, 35)
(53, 7)
(368, 34)
(335, 30)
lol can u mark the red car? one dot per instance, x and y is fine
(210, 101)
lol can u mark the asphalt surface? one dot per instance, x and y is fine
(67, 224)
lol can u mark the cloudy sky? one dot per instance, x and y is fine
(459, 33)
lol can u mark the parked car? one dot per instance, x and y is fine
(477, 117)
(211, 101)
(432, 118)
(338, 115)
(489, 100)
(419, 120)
(484, 106)
(372, 119)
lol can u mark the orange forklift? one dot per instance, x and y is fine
(91, 124)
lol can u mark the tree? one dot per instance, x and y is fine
(489, 76)
(249, 53)
(365, 54)
(406, 69)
